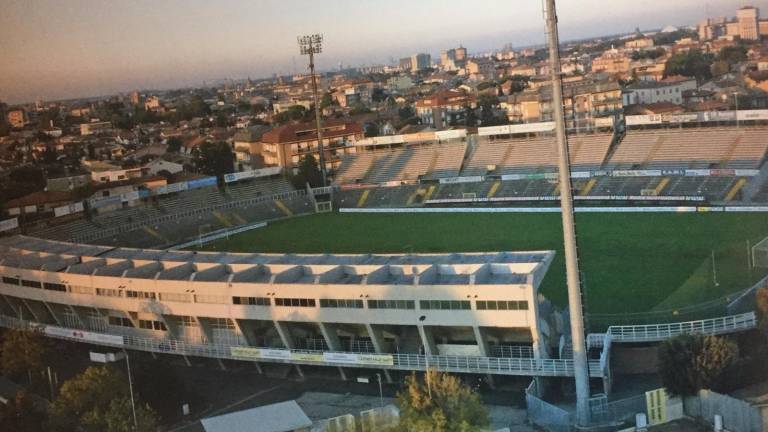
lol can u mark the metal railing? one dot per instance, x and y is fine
(659, 332)
(459, 364)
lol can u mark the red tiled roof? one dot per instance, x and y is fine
(307, 132)
(41, 197)
(445, 97)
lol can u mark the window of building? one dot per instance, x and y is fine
(152, 325)
(222, 323)
(187, 321)
(10, 280)
(175, 297)
(54, 286)
(78, 289)
(140, 294)
(502, 305)
(252, 301)
(108, 292)
(391, 304)
(213, 299)
(341, 303)
(295, 302)
(444, 304)
(31, 283)
(119, 321)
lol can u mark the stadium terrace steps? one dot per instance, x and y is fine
(692, 148)
(531, 155)
(402, 164)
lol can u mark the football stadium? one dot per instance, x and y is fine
(439, 250)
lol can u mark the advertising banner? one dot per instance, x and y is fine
(68, 209)
(260, 353)
(467, 179)
(376, 359)
(83, 335)
(202, 182)
(337, 357)
(9, 224)
(310, 357)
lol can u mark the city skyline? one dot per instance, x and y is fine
(78, 49)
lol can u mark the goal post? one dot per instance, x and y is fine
(760, 254)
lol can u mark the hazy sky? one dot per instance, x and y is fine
(55, 49)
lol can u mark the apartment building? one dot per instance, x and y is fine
(583, 101)
(444, 108)
(284, 146)
(667, 90)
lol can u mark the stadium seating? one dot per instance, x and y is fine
(691, 149)
(180, 202)
(404, 164)
(536, 155)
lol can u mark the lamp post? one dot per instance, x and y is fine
(381, 393)
(426, 360)
(311, 45)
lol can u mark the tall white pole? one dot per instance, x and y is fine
(130, 389)
(580, 365)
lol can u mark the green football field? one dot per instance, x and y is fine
(630, 262)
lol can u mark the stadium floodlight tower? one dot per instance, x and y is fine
(311, 45)
(581, 373)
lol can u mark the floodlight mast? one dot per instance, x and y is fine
(580, 365)
(311, 45)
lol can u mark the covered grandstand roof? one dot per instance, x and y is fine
(489, 268)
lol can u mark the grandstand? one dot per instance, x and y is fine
(172, 218)
(408, 164)
(703, 148)
(535, 155)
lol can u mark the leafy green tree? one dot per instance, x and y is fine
(174, 144)
(441, 404)
(24, 352)
(761, 300)
(85, 399)
(733, 54)
(20, 415)
(689, 363)
(406, 112)
(308, 171)
(359, 108)
(371, 130)
(694, 64)
(119, 417)
(215, 159)
(326, 101)
(294, 113)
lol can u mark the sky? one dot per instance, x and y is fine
(56, 49)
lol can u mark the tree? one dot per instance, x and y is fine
(405, 112)
(85, 399)
(308, 171)
(693, 64)
(215, 159)
(119, 417)
(371, 130)
(174, 144)
(733, 54)
(295, 112)
(20, 414)
(445, 404)
(761, 299)
(689, 363)
(24, 351)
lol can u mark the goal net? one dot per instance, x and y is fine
(760, 254)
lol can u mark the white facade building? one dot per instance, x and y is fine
(648, 92)
(381, 311)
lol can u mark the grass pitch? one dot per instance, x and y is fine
(630, 262)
